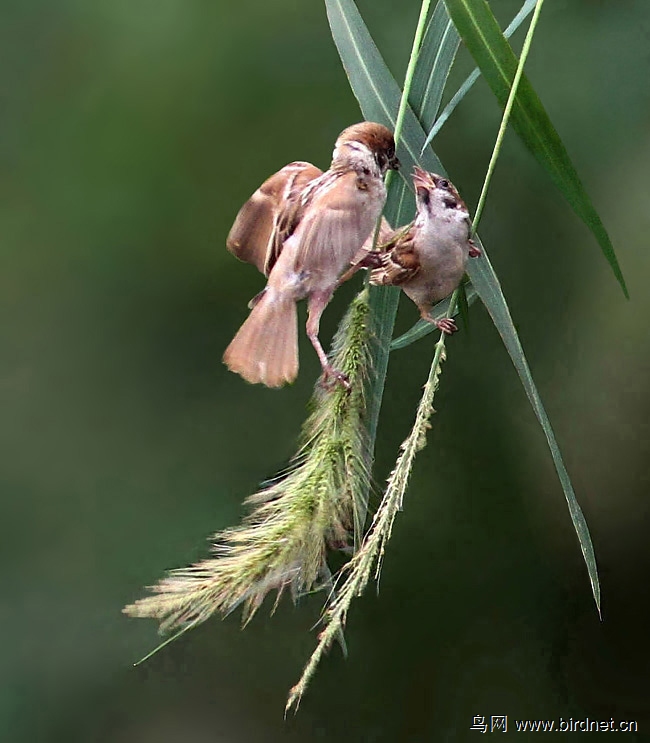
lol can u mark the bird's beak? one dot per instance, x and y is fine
(421, 179)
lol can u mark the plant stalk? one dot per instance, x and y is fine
(506, 113)
(380, 296)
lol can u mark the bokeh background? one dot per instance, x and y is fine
(130, 134)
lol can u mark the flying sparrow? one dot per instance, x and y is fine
(428, 257)
(302, 229)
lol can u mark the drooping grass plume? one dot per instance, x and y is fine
(357, 572)
(284, 541)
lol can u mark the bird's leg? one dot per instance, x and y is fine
(316, 303)
(370, 259)
(348, 274)
(365, 258)
(447, 325)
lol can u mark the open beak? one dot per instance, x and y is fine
(422, 179)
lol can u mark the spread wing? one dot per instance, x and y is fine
(341, 210)
(253, 236)
(399, 260)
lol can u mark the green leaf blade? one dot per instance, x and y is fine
(489, 290)
(492, 53)
(437, 55)
(525, 11)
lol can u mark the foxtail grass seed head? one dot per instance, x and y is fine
(314, 507)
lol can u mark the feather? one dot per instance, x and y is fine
(399, 264)
(253, 237)
(266, 347)
(343, 210)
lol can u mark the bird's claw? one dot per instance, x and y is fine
(474, 252)
(372, 259)
(331, 377)
(447, 325)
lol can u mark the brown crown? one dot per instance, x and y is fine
(376, 137)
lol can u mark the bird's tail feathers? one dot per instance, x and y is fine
(265, 349)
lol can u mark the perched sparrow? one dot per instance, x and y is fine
(303, 228)
(427, 258)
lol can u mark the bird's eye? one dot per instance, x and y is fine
(443, 183)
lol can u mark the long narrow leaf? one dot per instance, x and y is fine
(524, 12)
(487, 285)
(378, 95)
(480, 31)
(435, 60)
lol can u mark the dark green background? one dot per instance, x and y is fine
(130, 134)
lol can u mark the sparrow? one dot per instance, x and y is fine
(428, 257)
(302, 229)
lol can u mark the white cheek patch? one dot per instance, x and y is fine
(359, 147)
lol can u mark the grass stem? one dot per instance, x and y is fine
(506, 114)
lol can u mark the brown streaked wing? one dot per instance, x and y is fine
(251, 236)
(399, 264)
(336, 226)
(289, 217)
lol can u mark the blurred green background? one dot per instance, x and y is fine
(130, 134)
